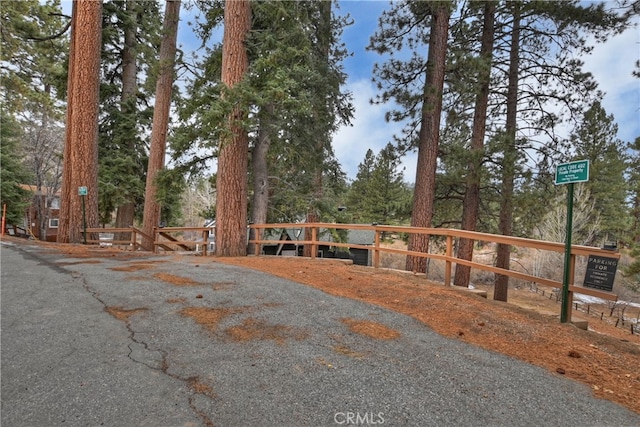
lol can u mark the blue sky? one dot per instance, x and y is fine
(611, 64)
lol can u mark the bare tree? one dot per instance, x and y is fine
(43, 153)
(585, 222)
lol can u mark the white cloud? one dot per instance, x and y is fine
(612, 63)
(369, 130)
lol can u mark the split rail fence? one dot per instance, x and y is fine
(169, 239)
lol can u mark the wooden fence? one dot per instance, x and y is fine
(614, 314)
(165, 238)
(448, 257)
(168, 239)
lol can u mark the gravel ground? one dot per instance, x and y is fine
(274, 353)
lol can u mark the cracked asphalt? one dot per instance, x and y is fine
(105, 341)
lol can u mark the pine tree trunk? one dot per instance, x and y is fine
(151, 218)
(81, 139)
(321, 122)
(503, 256)
(231, 183)
(260, 174)
(126, 211)
(41, 159)
(429, 137)
(471, 202)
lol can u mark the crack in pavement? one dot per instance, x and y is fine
(136, 355)
(161, 366)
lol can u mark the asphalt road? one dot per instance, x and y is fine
(281, 355)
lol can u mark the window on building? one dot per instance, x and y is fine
(53, 222)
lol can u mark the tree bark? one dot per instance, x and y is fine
(471, 202)
(81, 139)
(429, 137)
(151, 218)
(261, 173)
(231, 183)
(126, 211)
(503, 256)
(321, 121)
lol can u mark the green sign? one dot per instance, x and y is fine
(82, 191)
(568, 173)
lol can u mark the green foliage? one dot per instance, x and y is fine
(171, 184)
(552, 36)
(289, 73)
(379, 193)
(596, 140)
(292, 193)
(33, 55)
(125, 123)
(33, 49)
(632, 271)
(634, 190)
(12, 172)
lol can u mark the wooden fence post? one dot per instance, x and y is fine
(156, 237)
(134, 239)
(376, 250)
(314, 243)
(447, 265)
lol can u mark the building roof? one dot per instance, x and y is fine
(34, 189)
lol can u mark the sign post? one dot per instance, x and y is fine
(569, 173)
(82, 192)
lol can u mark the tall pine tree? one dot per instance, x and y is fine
(81, 141)
(379, 193)
(596, 140)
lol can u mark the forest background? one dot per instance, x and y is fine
(302, 98)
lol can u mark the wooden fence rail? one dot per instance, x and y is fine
(162, 238)
(168, 239)
(447, 257)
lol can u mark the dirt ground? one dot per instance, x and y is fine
(605, 358)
